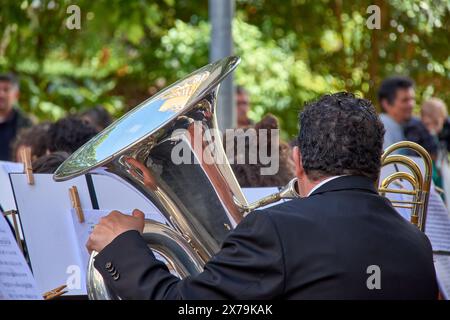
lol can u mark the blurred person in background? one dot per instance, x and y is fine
(34, 137)
(98, 117)
(49, 162)
(434, 116)
(415, 131)
(68, 134)
(396, 97)
(243, 106)
(12, 119)
(249, 175)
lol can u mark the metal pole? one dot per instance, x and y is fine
(221, 14)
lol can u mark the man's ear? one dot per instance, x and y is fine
(385, 105)
(297, 156)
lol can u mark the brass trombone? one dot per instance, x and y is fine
(420, 183)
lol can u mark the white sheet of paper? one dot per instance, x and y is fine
(6, 194)
(16, 281)
(92, 217)
(442, 266)
(84, 230)
(113, 193)
(44, 209)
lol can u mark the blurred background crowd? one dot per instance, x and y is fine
(59, 87)
(52, 142)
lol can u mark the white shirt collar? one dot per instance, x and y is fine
(321, 183)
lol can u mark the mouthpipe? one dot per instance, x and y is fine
(289, 191)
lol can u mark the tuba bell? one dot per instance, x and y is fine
(200, 201)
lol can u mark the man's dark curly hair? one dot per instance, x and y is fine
(68, 134)
(340, 134)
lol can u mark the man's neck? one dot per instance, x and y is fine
(305, 185)
(312, 186)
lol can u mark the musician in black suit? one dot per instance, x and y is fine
(341, 240)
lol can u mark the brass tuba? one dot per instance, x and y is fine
(201, 201)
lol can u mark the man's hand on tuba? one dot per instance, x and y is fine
(113, 225)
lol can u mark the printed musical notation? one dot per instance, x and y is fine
(16, 280)
(442, 266)
(437, 225)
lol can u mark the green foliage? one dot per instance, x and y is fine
(333, 39)
(275, 80)
(292, 51)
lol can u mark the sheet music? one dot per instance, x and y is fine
(91, 218)
(44, 210)
(16, 281)
(57, 249)
(437, 226)
(442, 267)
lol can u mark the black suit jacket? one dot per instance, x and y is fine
(319, 247)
